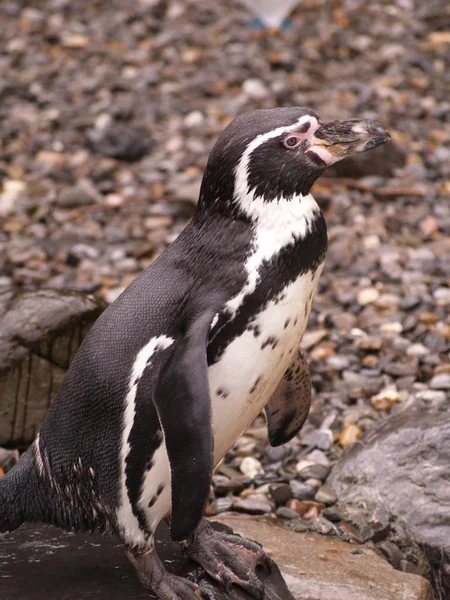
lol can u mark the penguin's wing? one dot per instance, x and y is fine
(183, 403)
(289, 405)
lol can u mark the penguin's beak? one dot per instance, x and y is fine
(335, 140)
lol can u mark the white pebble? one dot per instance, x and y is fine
(255, 89)
(194, 119)
(251, 467)
(368, 296)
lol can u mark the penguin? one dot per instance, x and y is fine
(201, 342)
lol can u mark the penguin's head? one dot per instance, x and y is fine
(279, 153)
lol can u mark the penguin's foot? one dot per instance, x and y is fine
(164, 585)
(229, 558)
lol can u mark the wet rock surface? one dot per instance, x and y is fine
(74, 566)
(400, 471)
(40, 333)
(79, 566)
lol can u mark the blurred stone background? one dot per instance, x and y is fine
(108, 111)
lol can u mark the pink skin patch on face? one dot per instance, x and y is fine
(316, 144)
(305, 133)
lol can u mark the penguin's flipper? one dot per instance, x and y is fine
(183, 404)
(289, 405)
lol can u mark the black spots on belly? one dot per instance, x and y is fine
(255, 328)
(270, 341)
(154, 498)
(255, 385)
(286, 323)
(222, 393)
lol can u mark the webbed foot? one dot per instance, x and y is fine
(229, 558)
(164, 585)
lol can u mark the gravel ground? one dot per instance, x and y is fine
(108, 111)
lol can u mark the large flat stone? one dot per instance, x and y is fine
(43, 563)
(320, 568)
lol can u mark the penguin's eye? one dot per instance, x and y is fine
(292, 141)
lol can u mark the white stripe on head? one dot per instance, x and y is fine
(276, 223)
(131, 531)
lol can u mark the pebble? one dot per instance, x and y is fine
(307, 509)
(122, 142)
(281, 493)
(283, 512)
(301, 490)
(417, 350)
(251, 467)
(315, 471)
(13, 191)
(219, 505)
(394, 327)
(349, 435)
(369, 343)
(319, 457)
(367, 296)
(255, 89)
(112, 294)
(311, 338)
(386, 398)
(442, 296)
(319, 438)
(225, 485)
(325, 495)
(254, 505)
(440, 382)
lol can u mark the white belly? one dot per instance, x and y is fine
(248, 372)
(241, 383)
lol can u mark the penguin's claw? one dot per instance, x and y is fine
(229, 559)
(164, 585)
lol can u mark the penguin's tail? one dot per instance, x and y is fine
(17, 498)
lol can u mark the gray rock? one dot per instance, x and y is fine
(319, 457)
(281, 493)
(320, 438)
(283, 512)
(326, 495)
(256, 504)
(220, 505)
(315, 472)
(402, 466)
(122, 142)
(39, 335)
(302, 491)
(79, 195)
(440, 382)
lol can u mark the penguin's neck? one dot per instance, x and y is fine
(275, 225)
